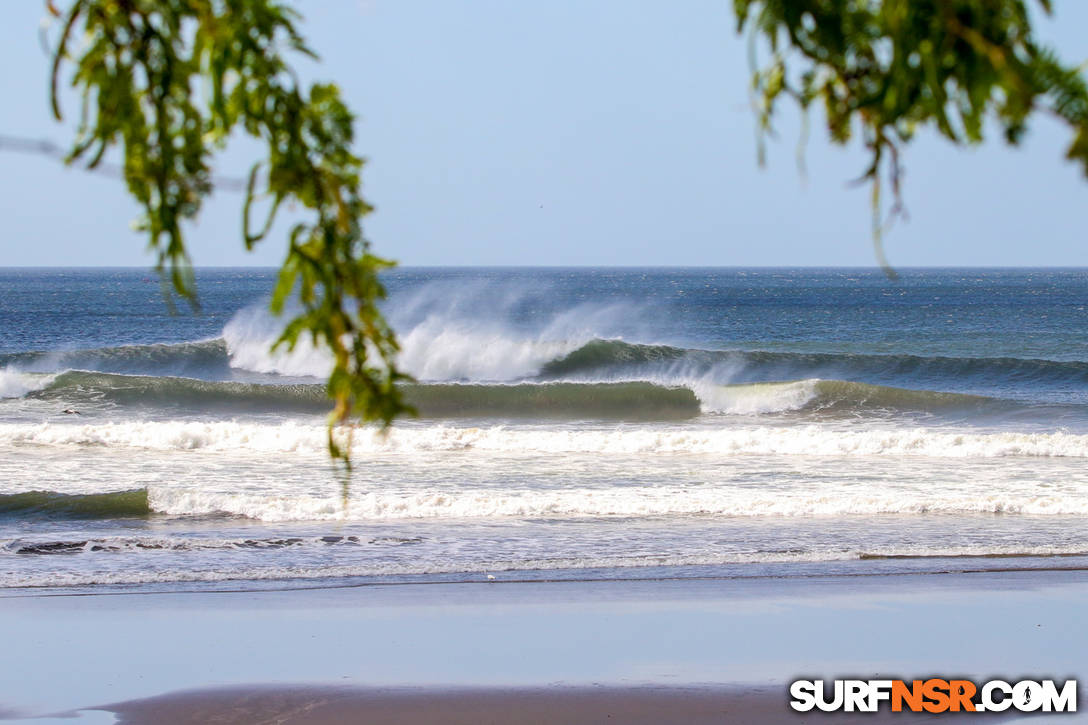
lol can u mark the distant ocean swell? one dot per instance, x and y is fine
(203, 359)
(799, 440)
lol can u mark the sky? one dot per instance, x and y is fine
(565, 133)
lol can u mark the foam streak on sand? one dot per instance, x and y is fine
(591, 568)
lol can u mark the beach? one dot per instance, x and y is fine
(702, 649)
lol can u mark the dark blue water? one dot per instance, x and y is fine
(65, 309)
(929, 312)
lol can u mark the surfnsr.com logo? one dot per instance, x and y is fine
(933, 695)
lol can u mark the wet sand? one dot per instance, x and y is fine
(571, 706)
(528, 652)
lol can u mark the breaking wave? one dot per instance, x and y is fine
(630, 400)
(16, 384)
(599, 358)
(456, 353)
(83, 388)
(50, 504)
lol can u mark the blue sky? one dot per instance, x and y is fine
(569, 133)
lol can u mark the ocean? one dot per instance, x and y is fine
(575, 424)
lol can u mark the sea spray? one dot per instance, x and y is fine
(16, 384)
(447, 332)
(249, 337)
(496, 332)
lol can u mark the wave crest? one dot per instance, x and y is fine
(626, 400)
(600, 359)
(51, 504)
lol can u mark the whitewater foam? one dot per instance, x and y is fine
(593, 503)
(806, 440)
(179, 436)
(754, 398)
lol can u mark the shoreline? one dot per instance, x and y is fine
(494, 645)
(327, 705)
(869, 573)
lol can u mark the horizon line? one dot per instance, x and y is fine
(874, 268)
